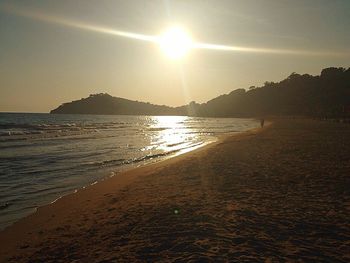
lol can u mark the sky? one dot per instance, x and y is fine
(45, 60)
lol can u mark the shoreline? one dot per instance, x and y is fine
(181, 153)
(255, 195)
(121, 179)
(51, 177)
(131, 167)
(127, 168)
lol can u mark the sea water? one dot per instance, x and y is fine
(45, 156)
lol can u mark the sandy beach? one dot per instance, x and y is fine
(275, 194)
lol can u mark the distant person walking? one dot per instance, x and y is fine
(262, 121)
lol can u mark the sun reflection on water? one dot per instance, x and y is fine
(172, 133)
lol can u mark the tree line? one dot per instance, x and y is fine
(324, 96)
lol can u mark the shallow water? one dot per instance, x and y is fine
(44, 156)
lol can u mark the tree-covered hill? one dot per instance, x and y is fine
(103, 103)
(327, 95)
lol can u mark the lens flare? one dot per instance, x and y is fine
(175, 42)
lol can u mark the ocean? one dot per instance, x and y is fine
(45, 156)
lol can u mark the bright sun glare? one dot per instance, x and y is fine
(175, 42)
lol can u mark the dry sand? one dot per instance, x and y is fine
(272, 196)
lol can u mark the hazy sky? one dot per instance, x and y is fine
(43, 63)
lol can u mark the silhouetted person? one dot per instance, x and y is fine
(262, 121)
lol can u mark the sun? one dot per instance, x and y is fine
(175, 42)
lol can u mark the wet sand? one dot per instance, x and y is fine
(276, 194)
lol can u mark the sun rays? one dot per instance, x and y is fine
(175, 42)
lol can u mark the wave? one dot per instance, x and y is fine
(158, 129)
(153, 156)
(107, 162)
(118, 162)
(174, 144)
(8, 129)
